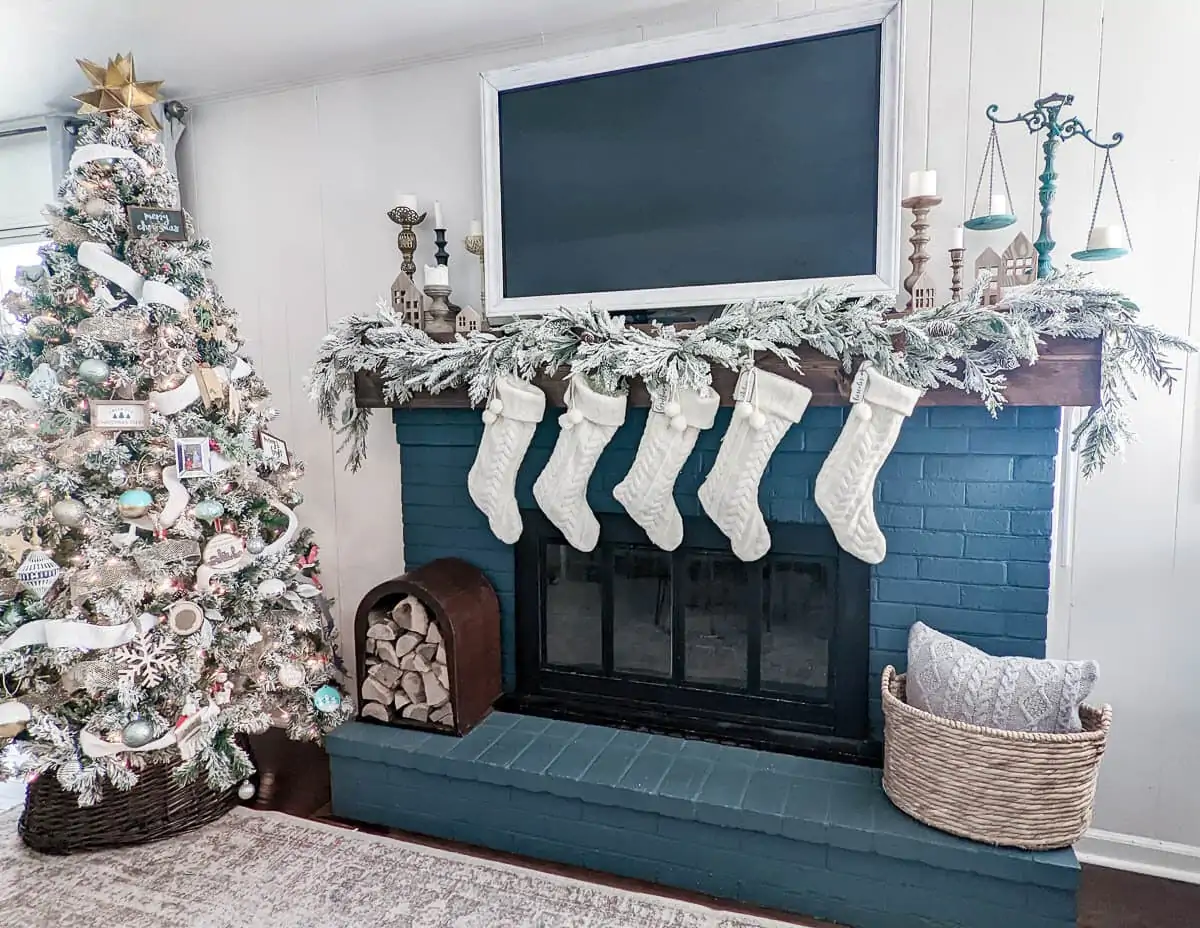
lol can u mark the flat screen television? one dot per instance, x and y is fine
(745, 162)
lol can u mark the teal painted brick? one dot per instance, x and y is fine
(966, 467)
(960, 570)
(929, 493)
(904, 466)
(932, 441)
(1010, 495)
(1031, 523)
(961, 519)
(1035, 470)
(960, 417)
(889, 516)
(1026, 626)
(1039, 417)
(919, 592)
(889, 639)
(955, 620)
(1024, 573)
(898, 615)
(897, 565)
(936, 544)
(1016, 441)
(1008, 548)
(1011, 599)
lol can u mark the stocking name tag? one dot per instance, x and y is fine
(858, 386)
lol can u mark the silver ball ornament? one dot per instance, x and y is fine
(137, 733)
(246, 791)
(255, 545)
(95, 207)
(93, 370)
(117, 476)
(68, 512)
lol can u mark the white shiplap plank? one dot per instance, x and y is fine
(914, 135)
(949, 116)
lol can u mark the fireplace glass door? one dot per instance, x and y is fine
(694, 641)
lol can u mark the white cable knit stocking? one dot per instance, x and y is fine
(588, 425)
(647, 492)
(845, 487)
(771, 405)
(513, 413)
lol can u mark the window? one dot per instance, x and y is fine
(11, 258)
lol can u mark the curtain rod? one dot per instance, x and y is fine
(27, 130)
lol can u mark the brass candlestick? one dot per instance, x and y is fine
(920, 207)
(439, 314)
(474, 246)
(956, 266)
(406, 217)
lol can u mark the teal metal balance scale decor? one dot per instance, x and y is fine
(1103, 244)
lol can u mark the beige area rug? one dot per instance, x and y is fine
(268, 869)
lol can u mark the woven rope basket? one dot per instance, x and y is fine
(1029, 790)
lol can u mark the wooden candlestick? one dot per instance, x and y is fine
(920, 207)
(440, 255)
(956, 266)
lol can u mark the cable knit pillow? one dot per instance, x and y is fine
(956, 681)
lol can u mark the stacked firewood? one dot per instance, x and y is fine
(407, 676)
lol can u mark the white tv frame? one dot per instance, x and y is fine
(887, 13)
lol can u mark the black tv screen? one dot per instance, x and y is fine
(759, 164)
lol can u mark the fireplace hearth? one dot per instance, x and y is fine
(771, 654)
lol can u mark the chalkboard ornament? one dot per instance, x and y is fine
(168, 225)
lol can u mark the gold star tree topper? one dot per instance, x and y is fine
(115, 87)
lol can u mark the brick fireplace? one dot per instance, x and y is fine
(966, 503)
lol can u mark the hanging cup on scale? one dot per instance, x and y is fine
(999, 215)
(1106, 243)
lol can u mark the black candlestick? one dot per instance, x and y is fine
(442, 256)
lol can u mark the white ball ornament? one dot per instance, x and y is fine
(246, 791)
(679, 423)
(742, 409)
(95, 207)
(489, 417)
(758, 421)
(672, 409)
(291, 675)
(496, 406)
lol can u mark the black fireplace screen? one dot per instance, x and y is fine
(694, 641)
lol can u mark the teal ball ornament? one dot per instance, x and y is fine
(93, 370)
(208, 510)
(137, 733)
(135, 503)
(327, 699)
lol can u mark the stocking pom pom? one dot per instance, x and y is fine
(758, 421)
(672, 409)
(574, 416)
(495, 406)
(679, 423)
(488, 416)
(863, 411)
(566, 421)
(742, 409)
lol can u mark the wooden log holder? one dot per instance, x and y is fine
(1067, 374)
(461, 604)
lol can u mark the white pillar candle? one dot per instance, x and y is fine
(1107, 237)
(406, 199)
(437, 275)
(438, 222)
(957, 239)
(476, 227)
(999, 205)
(922, 184)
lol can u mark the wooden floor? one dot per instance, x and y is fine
(1108, 898)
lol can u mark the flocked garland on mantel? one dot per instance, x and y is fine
(964, 345)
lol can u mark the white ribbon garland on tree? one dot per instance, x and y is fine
(205, 573)
(170, 402)
(18, 395)
(98, 259)
(95, 746)
(82, 636)
(85, 154)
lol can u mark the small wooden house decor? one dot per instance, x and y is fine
(1018, 263)
(924, 293)
(989, 261)
(408, 302)
(427, 648)
(469, 320)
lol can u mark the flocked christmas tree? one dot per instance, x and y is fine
(157, 598)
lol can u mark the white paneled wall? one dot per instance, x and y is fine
(293, 188)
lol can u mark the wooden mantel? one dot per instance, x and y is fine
(1067, 374)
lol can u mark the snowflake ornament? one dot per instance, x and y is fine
(146, 663)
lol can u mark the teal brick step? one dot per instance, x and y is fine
(791, 833)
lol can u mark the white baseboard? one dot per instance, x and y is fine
(1164, 859)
